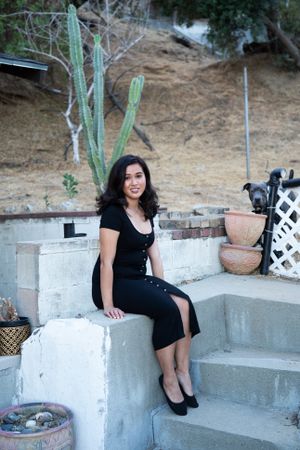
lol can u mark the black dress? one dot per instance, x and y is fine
(133, 290)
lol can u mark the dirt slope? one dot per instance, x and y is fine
(192, 110)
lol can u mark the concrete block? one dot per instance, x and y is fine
(166, 252)
(133, 389)
(65, 361)
(8, 290)
(28, 268)
(64, 269)
(177, 276)
(209, 209)
(257, 378)
(183, 251)
(8, 369)
(28, 306)
(113, 371)
(8, 254)
(71, 301)
(222, 425)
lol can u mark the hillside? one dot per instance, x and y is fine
(192, 110)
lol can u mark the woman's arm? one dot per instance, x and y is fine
(108, 246)
(155, 260)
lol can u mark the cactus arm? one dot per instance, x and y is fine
(98, 125)
(134, 97)
(82, 96)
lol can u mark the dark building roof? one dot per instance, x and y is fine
(22, 67)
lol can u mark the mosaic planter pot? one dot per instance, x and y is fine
(244, 228)
(58, 438)
(239, 259)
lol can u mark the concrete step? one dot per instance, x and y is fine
(251, 311)
(269, 323)
(254, 377)
(221, 425)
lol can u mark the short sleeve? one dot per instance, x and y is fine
(112, 218)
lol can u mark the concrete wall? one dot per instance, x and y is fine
(201, 225)
(54, 276)
(9, 366)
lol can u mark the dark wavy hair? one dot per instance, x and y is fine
(114, 195)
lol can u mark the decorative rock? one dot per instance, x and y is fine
(43, 417)
(7, 427)
(30, 424)
(12, 418)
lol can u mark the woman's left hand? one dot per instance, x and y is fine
(114, 313)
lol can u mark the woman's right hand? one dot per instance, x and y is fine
(114, 313)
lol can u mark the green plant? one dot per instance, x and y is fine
(70, 184)
(93, 121)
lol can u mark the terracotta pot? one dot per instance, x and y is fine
(240, 259)
(244, 228)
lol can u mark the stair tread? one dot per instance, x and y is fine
(250, 357)
(232, 419)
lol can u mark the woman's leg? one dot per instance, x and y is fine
(182, 347)
(165, 358)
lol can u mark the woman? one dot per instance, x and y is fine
(120, 283)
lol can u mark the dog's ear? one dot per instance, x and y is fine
(246, 186)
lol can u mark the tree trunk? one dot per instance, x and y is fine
(286, 42)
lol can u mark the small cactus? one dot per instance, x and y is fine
(8, 312)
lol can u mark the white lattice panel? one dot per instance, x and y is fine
(285, 251)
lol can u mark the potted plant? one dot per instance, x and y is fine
(13, 329)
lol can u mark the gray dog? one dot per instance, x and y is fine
(258, 194)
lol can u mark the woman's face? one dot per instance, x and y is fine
(135, 182)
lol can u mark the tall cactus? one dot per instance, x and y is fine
(93, 121)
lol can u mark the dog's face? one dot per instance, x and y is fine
(258, 194)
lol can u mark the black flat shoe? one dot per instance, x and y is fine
(178, 408)
(190, 400)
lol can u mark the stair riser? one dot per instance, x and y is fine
(174, 437)
(255, 386)
(260, 323)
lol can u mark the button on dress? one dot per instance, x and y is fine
(136, 292)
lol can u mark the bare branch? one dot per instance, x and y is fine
(120, 24)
